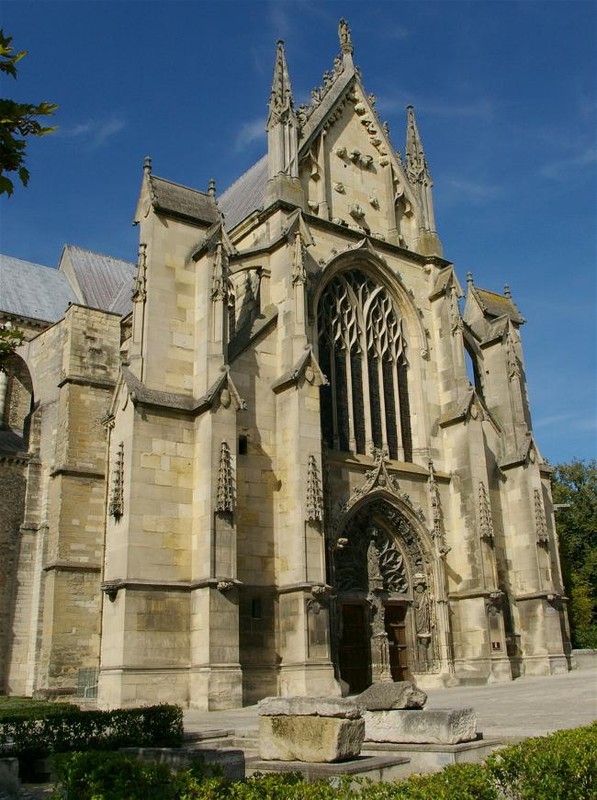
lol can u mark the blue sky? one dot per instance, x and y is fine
(506, 99)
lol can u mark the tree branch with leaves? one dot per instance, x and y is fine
(574, 490)
(18, 122)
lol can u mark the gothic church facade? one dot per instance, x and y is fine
(270, 473)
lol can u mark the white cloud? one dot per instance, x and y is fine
(482, 108)
(94, 133)
(249, 132)
(280, 18)
(570, 421)
(474, 191)
(561, 168)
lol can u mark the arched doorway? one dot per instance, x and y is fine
(386, 628)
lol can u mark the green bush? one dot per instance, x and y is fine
(97, 775)
(557, 767)
(29, 738)
(456, 782)
(562, 766)
(25, 708)
(111, 776)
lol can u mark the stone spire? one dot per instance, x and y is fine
(419, 177)
(416, 163)
(282, 124)
(282, 137)
(280, 102)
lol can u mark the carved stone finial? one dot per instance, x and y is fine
(140, 285)
(507, 292)
(513, 363)
(299, 273)
(541, 531)
(469, 278)
(485, 520)
(116, 505)
(437, 516)
(345, 38)
(147, 165)
(225, 498)
(211, 189)
(314, 493)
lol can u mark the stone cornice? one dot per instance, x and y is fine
(77, 472)
(82, 380)
(171, 401)
(15, 458)
(71, 566)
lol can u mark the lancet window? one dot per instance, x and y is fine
(361, 350)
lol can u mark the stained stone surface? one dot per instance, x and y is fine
(309, 706)
(432, 726)
(311, 739)
(395, 695)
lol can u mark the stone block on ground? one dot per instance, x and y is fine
(315, 739)
(308, 707)
(424, 726)
(391, 696)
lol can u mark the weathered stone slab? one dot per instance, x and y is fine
(388, 696)
(308, 707)
(309, 738)
(431, 726)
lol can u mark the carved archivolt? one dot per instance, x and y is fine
(370, 560)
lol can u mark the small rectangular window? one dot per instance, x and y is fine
(243, 444)
(256, 608)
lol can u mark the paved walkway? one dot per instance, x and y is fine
(525, 707)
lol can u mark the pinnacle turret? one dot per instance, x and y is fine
(281, 103)
(282, 136)
(419, 177)
(416, 163)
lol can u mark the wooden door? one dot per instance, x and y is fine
(355, 649)
(397, 636)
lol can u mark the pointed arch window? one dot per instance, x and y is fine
(362, 351)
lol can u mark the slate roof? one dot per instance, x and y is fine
(100, 278)
(182, 201)
(123, 302)
(44, 293)
(33, 291)
(496, 305)
(245, 195)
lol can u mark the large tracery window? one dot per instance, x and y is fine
(361, 350)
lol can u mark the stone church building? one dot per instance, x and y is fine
(276, 455)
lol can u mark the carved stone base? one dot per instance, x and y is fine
(431, 726)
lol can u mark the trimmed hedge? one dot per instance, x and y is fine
(13, 708)
(561, 766)
(29, 738)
